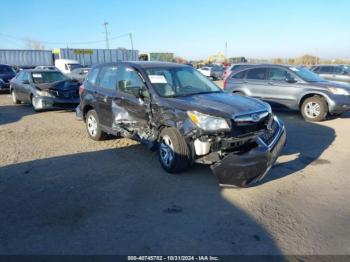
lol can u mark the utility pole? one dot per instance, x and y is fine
(132, 44)
(226, 51)
(106, 32)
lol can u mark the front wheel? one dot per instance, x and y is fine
(14, 97)
(174, 154)
(314, 109)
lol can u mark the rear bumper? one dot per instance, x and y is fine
(245, 169)
(51, 103)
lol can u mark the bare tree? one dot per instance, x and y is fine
(35, 44)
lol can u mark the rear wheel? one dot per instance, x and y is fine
(14, 97)
(174, 154)
(93, 126)
(314, 109)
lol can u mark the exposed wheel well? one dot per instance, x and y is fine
(86, 109)
(310, 95)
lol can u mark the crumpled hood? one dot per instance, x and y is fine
(59, 85)
(218, 104)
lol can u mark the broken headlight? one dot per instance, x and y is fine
(207, 122)
(45, 93)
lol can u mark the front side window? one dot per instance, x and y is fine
(129, 80)
(47, 77)
(326, 69)
(257, 74)
(180, 81)
(108, 77)
(338, 70)
(278, 74)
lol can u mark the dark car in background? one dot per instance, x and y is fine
(296, 88)
(6, 74)
(78, 74)
(337, 73)
(44, 89)
(187, 118)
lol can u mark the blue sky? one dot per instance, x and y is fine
(193, 29)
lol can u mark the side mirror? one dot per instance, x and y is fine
(345, 73)
(25, 82)
(291, 80)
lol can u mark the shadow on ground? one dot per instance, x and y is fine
(120, 201)
(306, 142)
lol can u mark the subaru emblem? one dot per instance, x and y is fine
(255, 117)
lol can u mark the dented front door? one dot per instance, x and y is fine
(129, 110)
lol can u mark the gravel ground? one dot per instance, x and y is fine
(61, 193)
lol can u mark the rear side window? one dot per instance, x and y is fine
(257, 74)
(92, 76)
(6, 69)
(239, 75)
(108, 77)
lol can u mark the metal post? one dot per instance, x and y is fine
(132, 44)
(106, 32)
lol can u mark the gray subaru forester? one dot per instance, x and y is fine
(292, 87)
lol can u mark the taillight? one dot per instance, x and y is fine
(225, 82)
(81, 89)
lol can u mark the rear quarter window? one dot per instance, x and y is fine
(92, 76)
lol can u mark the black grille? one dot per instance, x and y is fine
(66, 94)
(245, 128)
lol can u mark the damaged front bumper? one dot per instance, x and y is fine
(250, 167)
(43, 102)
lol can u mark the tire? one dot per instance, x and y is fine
(93, 126)
(314, 109)
(174, 154)
(33, 104)
(14, 97)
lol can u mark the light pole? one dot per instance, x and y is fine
(106, 32)
(132, 44)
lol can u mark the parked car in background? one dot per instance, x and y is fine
(66, 66)
(79, 74)
(205, 70)
(6, 74)
(186, 117)
(217, 72)
(233, 67)
(46, 68)
(295, 88)
(44, 89)
(338, 73)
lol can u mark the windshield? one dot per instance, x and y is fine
(6, 70)
(47, 77)
(180, 81)
(74, 66)
(306, 74)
